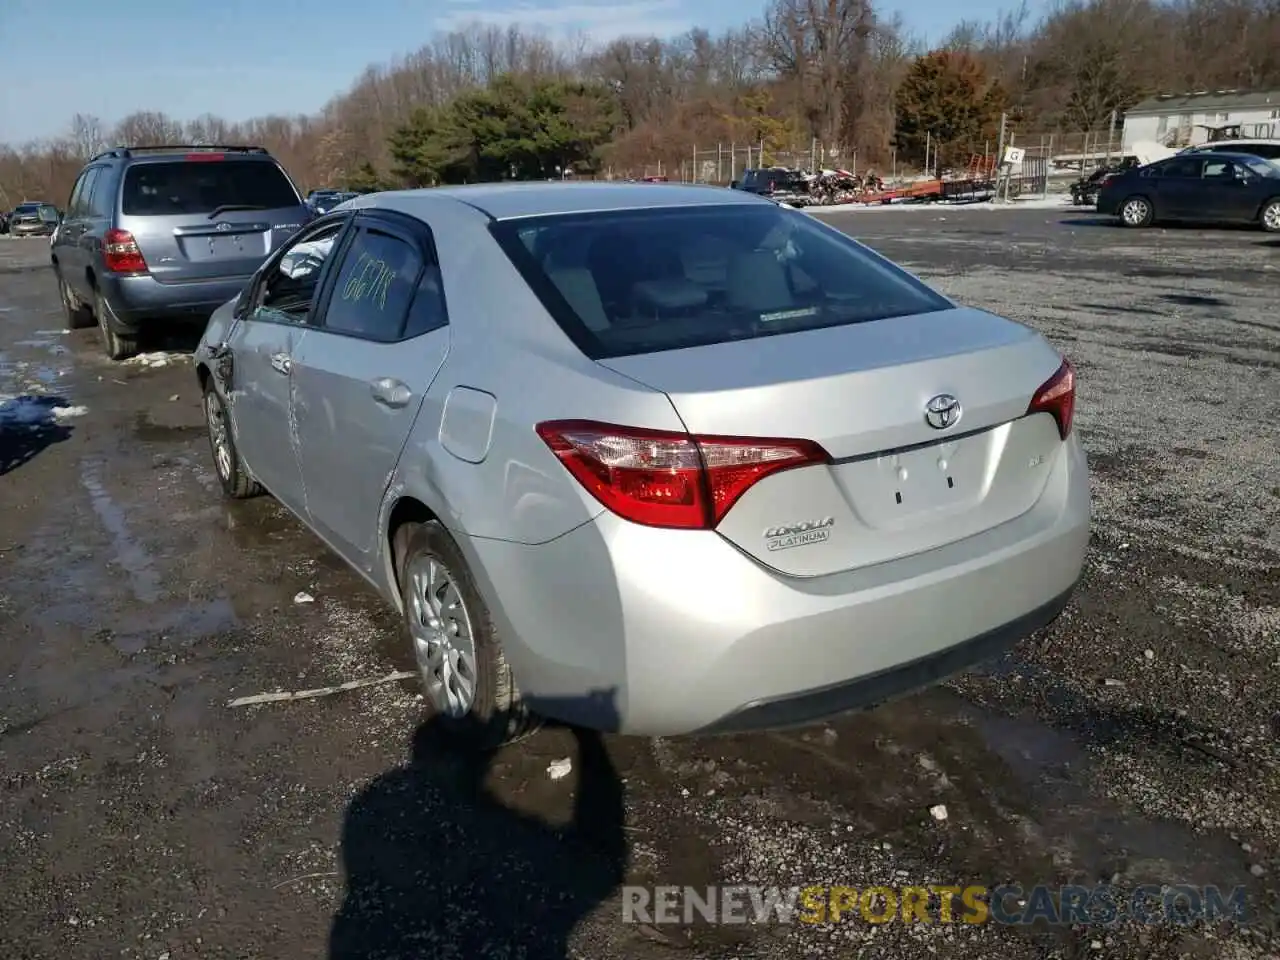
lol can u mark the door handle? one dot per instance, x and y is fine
(390, 392)
(281, 363)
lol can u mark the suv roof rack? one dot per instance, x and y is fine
(124, 153)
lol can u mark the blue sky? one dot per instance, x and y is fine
(242, 58)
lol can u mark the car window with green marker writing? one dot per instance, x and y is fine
(374, 287)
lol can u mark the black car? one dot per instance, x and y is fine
(775, 183)
(1218, 187)
(1084, 192)
(34, 219)
(326, 202)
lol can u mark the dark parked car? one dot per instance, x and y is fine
(328, 201)
(1084, 192)
(168, 234)
(1203, 187)
(33, 219)
(775, 183)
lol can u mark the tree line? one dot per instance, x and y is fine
(487, 102)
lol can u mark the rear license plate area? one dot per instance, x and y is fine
(226, 247)
(902, 483)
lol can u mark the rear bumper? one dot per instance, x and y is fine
(137, 299)
(1108, 205)
(695, 637)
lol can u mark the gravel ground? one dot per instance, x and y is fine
(1137, 740)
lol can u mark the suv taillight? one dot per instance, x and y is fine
(120, 253)
(664, 479)
(1057, 396)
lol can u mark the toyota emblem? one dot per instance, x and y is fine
(942, 411)
(223, 226)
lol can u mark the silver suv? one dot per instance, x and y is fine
(167, 235)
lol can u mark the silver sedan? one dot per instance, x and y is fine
(651, 461)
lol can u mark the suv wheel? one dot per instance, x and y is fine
(116, 346)
(78, 314)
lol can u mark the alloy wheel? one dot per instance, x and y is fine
(444, 642)
(219, 438)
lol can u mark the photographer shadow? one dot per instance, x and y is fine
(438, 866)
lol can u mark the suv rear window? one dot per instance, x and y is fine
(642, 281)
(174, 188)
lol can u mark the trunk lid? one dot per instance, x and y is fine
(208, 219)
(898, 486)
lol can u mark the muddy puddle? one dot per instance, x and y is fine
(128, 553)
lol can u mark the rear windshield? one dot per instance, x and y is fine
(26, 209)
(660, 279)
(190, 187)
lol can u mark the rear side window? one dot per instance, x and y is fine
(178, 187)
(377, 281)
(1179, 167)
(661, 279)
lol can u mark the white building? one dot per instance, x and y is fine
(1185, 119)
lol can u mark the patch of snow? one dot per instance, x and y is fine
(34, 412)
(559, 769)
(160, 358)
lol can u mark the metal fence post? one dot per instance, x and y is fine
(1000, 171)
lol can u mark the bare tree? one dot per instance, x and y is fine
(87, 137)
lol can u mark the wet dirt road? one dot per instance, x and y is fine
(1136, 741)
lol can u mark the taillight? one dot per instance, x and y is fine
(665, 479)
(1057, 396)
(120, 253)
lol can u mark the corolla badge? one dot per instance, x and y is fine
(223, 226)
(801, 534)
(942, 411)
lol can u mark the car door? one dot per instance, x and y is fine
(262, 343)
(1225, 193)
(361, 372)
(61, 251)
(1178, 188)
(71, 257)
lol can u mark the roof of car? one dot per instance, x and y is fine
(1243, 141)
(1228, 154)
(504, 201)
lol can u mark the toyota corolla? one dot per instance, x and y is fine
(659, 462)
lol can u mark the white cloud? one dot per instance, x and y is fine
(594, 21)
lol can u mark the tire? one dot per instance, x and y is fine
(79, 315)
(115, 346)
(1269, 217)
(1137, 212)
(236, 481)
(490, 714)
